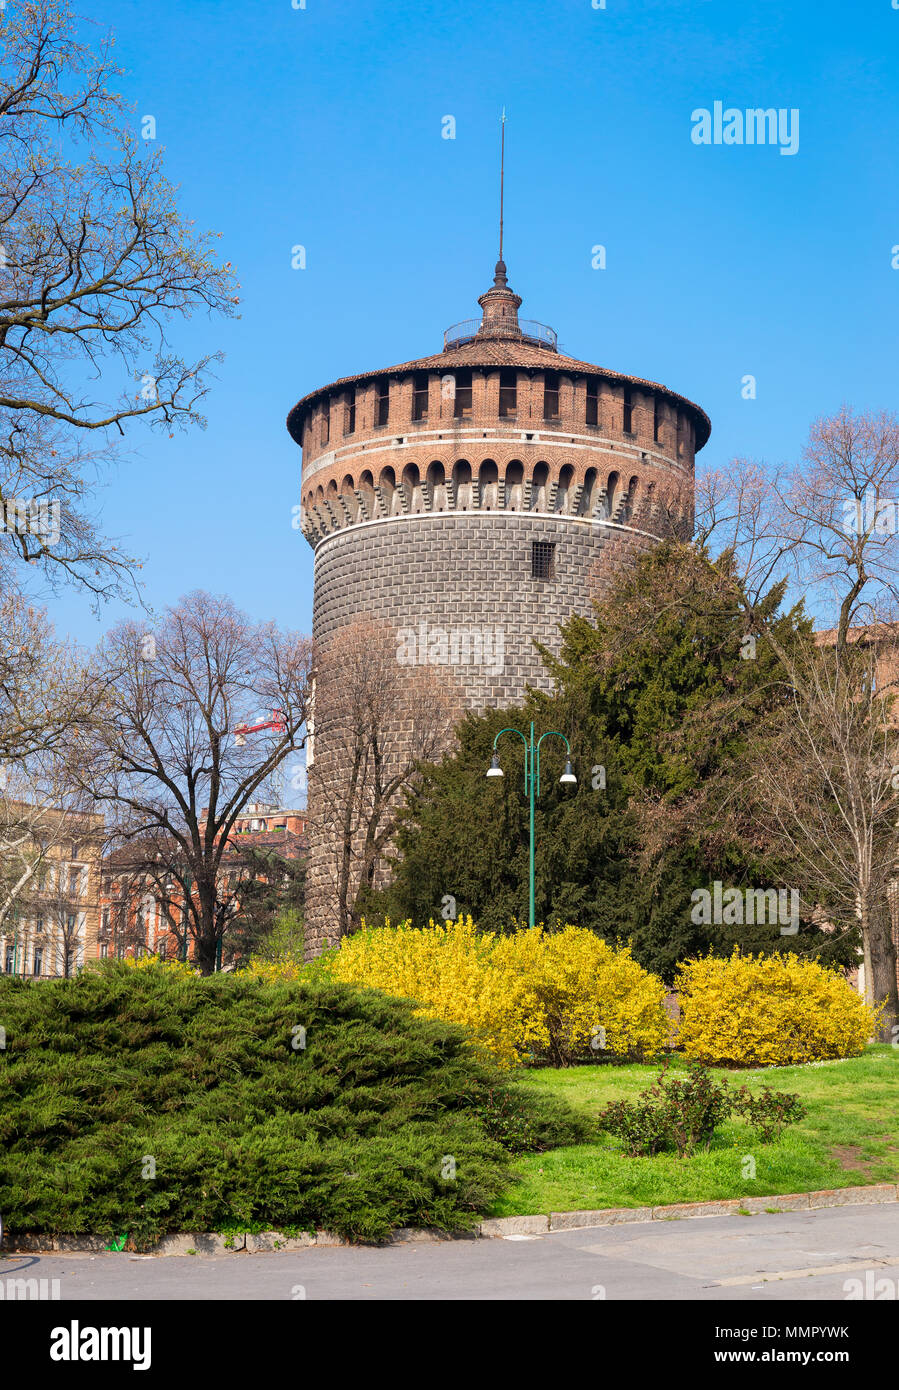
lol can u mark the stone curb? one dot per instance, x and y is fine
(878, 1195)
(503, 1226)
(212, 1243)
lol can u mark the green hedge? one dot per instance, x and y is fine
(350, 1133)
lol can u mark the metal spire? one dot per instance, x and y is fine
(502, 169)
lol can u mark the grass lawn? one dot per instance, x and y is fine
(850, 1137)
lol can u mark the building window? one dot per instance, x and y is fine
(39, 924)
(543, 559)
(656, 420)
(349, 414)
(592, 403)
(551, 396)
(463, 394)
(508, 392)
(74, 883)
(628, 421)
(382, 414)
(38, 960)
(8, 965)
(104, 950)
(420, 396)
(326, 422)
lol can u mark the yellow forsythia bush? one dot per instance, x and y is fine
(593, 1000)
(531, 994)
(755, 1011)
(447, 968)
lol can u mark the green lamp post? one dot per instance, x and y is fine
(532, 785)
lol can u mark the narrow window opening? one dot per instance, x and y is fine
(551, 396)
(326, 422)
(628, 422)
(592, 403)
(656, 420)
(508, 392)
(420, 396)
(349, 416)
(463, 394)
(383, 410)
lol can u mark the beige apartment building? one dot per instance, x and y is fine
(52, 927)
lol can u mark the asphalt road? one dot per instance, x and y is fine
(768, 1257)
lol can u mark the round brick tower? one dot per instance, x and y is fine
(487, 492)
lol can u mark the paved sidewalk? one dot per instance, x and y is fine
(788, 1255)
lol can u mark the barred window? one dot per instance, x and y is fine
(543, 559)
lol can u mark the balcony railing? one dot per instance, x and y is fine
(530, 331)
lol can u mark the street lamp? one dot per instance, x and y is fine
(531, 785)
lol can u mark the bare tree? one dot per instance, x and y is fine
(830, 525)
(45, 688)
(825, 784)
(377, 720)
(95, 262)
(168, 759)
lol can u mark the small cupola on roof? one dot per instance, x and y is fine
(500, 306)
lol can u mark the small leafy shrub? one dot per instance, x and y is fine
(755, 1011)
(769, 1112)
(682, 1114)
(251, 1123)
(674, 1113)
(532, 995)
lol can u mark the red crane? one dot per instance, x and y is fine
(276, 722)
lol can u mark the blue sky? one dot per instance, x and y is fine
(322, 127)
